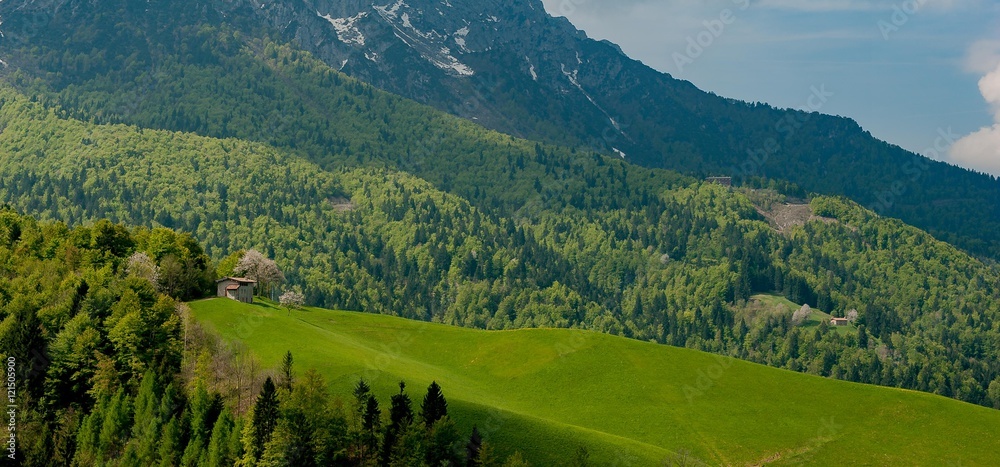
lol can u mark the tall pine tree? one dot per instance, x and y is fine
(371, 423)
(434, 406)
(265, 418)
(286, 372)
(473, 447)
(400, 417)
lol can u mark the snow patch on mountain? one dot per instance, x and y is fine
(392, 10)
(347, 29)
(573, 78)
(431, 45)
(459, 38)
(531, 68)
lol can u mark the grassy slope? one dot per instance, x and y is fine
(630, 402)
(772, 302)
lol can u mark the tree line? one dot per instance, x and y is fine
(493, 232)
(111, 369)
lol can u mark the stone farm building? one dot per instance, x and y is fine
(724, 181)
(236, 288)
(839, 321)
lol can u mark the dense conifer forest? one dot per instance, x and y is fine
(592, 243)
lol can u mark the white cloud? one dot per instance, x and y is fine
(981, 150)
(983, 56)
(990, 87)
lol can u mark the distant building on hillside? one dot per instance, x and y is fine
(839, 322)
(724, 181)
(236, 288)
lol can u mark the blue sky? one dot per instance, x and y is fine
(908, 71)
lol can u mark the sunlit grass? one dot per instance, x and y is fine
(546, 392)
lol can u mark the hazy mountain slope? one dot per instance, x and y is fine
(509, 66)
(525, 73)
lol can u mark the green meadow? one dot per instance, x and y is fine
(546, 392)
(776, 304)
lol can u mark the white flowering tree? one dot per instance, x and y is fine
(852, 315)
(801, 315)
(142, 266)
(254, 265)
(292, 299)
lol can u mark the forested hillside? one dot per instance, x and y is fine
(211, 67)
(106, 367)
(82, 323)
(596, 244)
(144, 150)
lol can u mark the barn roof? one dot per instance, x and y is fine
(237, 279)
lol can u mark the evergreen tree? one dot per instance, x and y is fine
(170, 443)
(371, 423)
(401, 408)
(201, 413)
(434, 406)
(286, 372)
(220, 452)
(473, 447)
(115, 426)
(306, 434)
(487, 456)
(25, 336)
(362, 391)
(146, 429)
(203, 410)
(265, 418)
(87, 435)
(444, 444)
(400, 417)
(293, 441)
(410, 448)
(194, 453)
